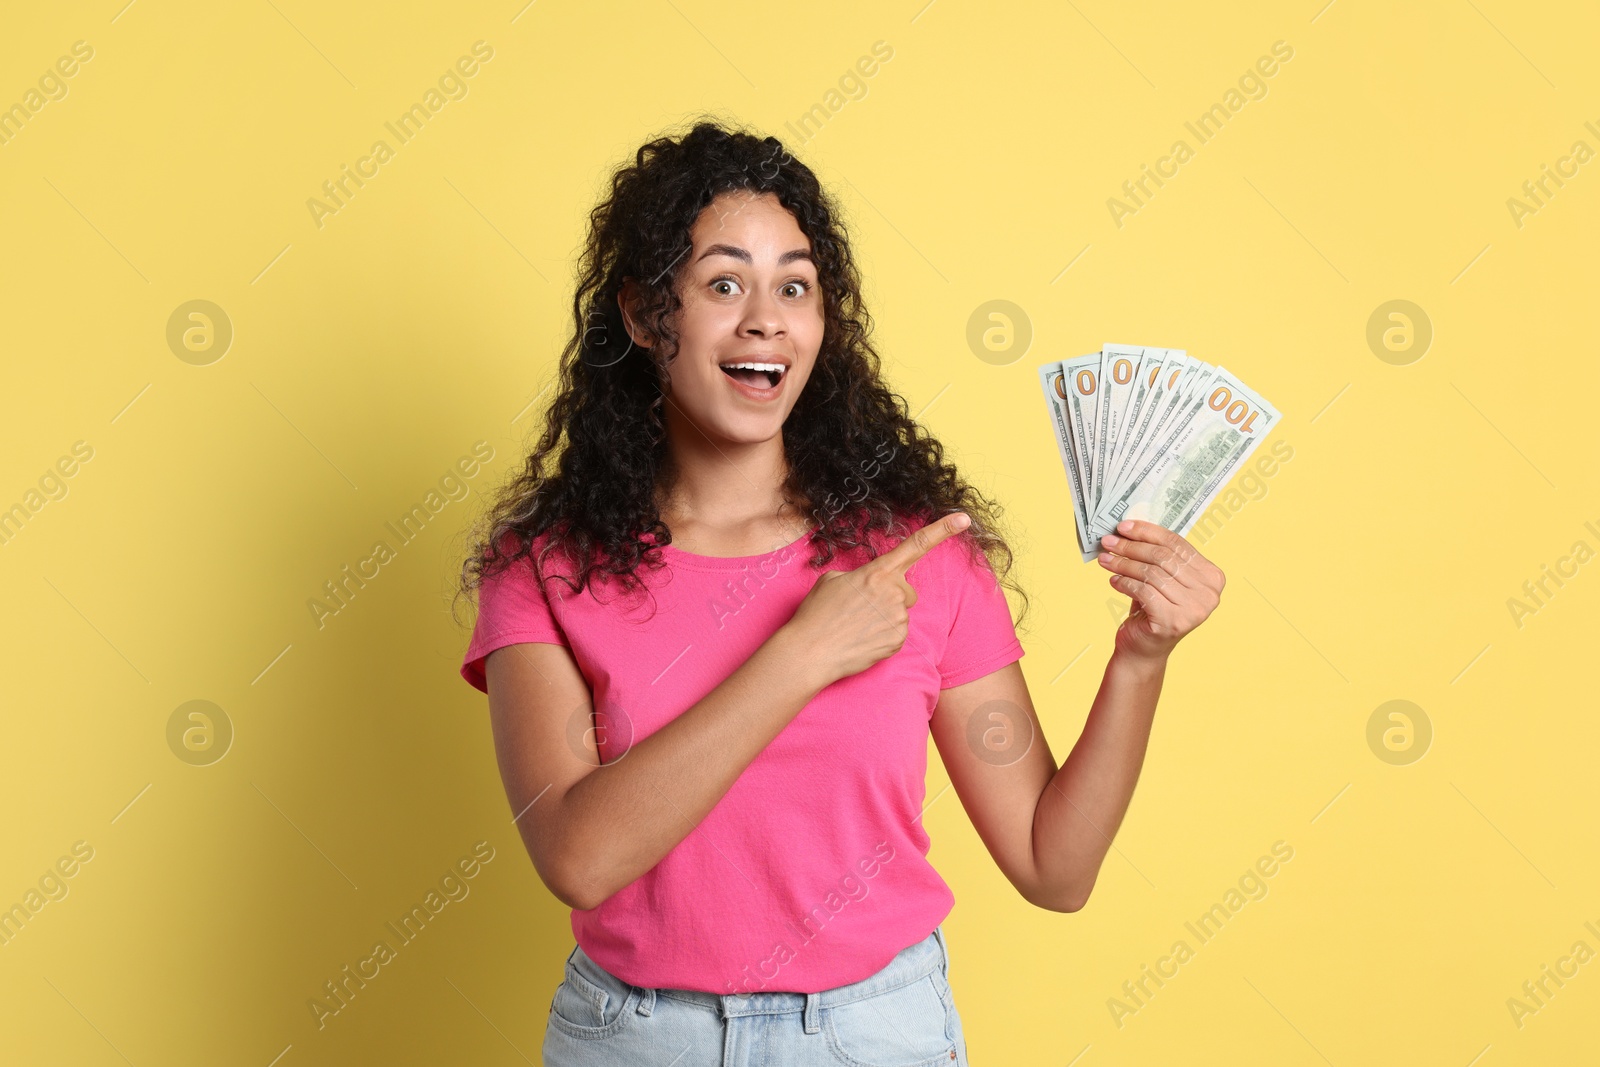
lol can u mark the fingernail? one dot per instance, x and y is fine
(962, 521)
(1126, 526)
(1111, 539)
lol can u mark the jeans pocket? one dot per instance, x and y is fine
(908, 1026)
(589, 1008)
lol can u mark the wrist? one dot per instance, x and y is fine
(798, 657)
(1143, 666)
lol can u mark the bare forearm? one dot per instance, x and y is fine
(621, 819)
(1080, 810)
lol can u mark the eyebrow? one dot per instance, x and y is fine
(738, 253)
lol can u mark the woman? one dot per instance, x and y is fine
(718, 621)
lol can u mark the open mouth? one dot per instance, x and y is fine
(755, 375)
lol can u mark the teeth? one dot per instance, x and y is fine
(778, 367)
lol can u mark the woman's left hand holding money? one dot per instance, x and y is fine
(1174, 588)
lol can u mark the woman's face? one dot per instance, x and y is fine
(750, 295)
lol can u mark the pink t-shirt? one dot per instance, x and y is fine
(811, 872)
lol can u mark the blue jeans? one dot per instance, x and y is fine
(903, 1016)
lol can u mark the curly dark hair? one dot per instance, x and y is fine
(846, 429)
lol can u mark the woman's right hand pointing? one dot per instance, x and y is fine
(851, 619)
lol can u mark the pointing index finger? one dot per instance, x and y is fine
(902, 556)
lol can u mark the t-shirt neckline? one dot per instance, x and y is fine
(727, 563)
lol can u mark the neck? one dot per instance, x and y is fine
(724, 484)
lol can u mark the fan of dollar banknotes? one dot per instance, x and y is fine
(1148, 433)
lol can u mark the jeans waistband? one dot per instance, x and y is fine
(910, 964)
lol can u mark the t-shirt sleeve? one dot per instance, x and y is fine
(512, 609)
(982, 636)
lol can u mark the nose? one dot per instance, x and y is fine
(762, 317)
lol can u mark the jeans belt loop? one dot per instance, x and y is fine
(647, 1000)
(812, 1025)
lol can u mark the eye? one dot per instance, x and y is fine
(724, 280)
(804, 286)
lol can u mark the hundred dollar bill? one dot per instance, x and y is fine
(1119, 369)
(1210, 435)
(1055, 378)
(1145, 389)
(1166, 382)
(1081, 380)
(1189, 376)
(1245, 444)
(1169, 431)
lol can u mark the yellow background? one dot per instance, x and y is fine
(371, 353)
